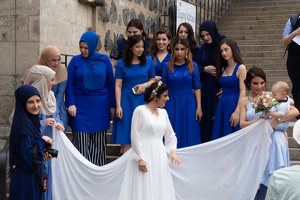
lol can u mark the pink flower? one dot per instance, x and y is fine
(261, 103)
(268, 101)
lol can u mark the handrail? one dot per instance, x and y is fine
(209, 9)
(65, 62)
(3, 170)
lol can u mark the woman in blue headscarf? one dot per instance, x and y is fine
(90, 97)
(206, 61)
(25, 133)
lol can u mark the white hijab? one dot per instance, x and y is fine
(39, 77)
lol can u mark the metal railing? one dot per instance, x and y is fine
(3, 170)
(206, 10)
(65, 59)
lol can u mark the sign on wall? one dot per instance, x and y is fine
(186, 12)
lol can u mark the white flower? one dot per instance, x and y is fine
(267, 96)
(264, 100)
(255, 105)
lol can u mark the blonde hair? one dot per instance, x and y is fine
(282, 86)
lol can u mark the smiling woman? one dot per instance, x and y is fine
(134, 71)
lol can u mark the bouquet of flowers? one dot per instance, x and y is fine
(264, 103)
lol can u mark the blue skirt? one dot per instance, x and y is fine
(181, 109)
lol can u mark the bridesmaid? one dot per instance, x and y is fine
(231, 73)
(184, 107)
(186, 31)
(160, 50)
(51, 57)
(134, 74)
(278, 151)
(206, 61)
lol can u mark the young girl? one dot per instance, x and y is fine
(231, 72)
(134, 74)
(184, 107)
(160, 50)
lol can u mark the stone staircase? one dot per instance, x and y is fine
(257, 27)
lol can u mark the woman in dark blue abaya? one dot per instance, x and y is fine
(206, 61)
(25, 133)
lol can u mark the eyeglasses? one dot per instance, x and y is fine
(53, 61)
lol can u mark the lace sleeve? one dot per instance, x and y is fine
(170, 138)
(164, 75)
(115, 54)
(196, 78)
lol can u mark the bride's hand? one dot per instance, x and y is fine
(142, 166)
(174, 158)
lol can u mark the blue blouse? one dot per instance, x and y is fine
(159, 66)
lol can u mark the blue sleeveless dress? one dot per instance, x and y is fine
(182, 105)
(226, 105)
(278, 152)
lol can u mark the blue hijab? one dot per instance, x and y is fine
(94, 66)
(24, 123)
(211, 49)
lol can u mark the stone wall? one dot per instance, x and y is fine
(27, 26)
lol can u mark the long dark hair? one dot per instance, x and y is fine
(137, 24)
(161, 89)
(191, 39)
(221, 62)
(184, 42)
(153, 49)
(252, 73)
(128, 55)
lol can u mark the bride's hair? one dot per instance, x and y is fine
(252, 73)
(161, 89)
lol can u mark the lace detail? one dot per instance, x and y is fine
(114, 54)
(118, 50)
(181, 79)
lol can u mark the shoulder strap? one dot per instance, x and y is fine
(236, 68)
(42, 183)
(294, 20)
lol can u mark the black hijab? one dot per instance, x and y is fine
(211, 49)
(24, 123)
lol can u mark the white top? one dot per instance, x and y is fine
(284, 184)
(147, 126)
(283, 107)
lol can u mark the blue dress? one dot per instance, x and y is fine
(47, 131)
(278, 152)
(59, 91)
(23, 184)
(226, 105)
(159, 66)
(209, 100)
(182, 105)
(131, 76)
(93, 106)
(119, 48)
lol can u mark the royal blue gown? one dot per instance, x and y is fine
(182, 105)
(226, 105)
(131, 76)
(279, 156)
(159, 66)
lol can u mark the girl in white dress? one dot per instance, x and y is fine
(148, 174)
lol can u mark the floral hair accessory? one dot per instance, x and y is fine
(154, 91)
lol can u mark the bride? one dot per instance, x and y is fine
(148, 174)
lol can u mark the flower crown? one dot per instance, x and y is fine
(154, 91)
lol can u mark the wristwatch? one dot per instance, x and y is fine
(279, 119)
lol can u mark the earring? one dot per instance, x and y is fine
(186, 56)
(156, 100)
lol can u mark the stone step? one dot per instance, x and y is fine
(110, 159)
(295, 162)
(113, 149)
(256, 33)
(276, 73)
(249, 12)
(253, 18)
(260, 60)
(262, 8)
(251, 27)
(224, 22)
(266, 54)
(268, 66)
(262, 48)
(248, 37)
(294, 153)
(260, 42)
(263, 4)
(293, 143)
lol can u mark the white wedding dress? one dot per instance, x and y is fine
(147, 131)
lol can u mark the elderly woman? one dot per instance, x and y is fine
(90, 97)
